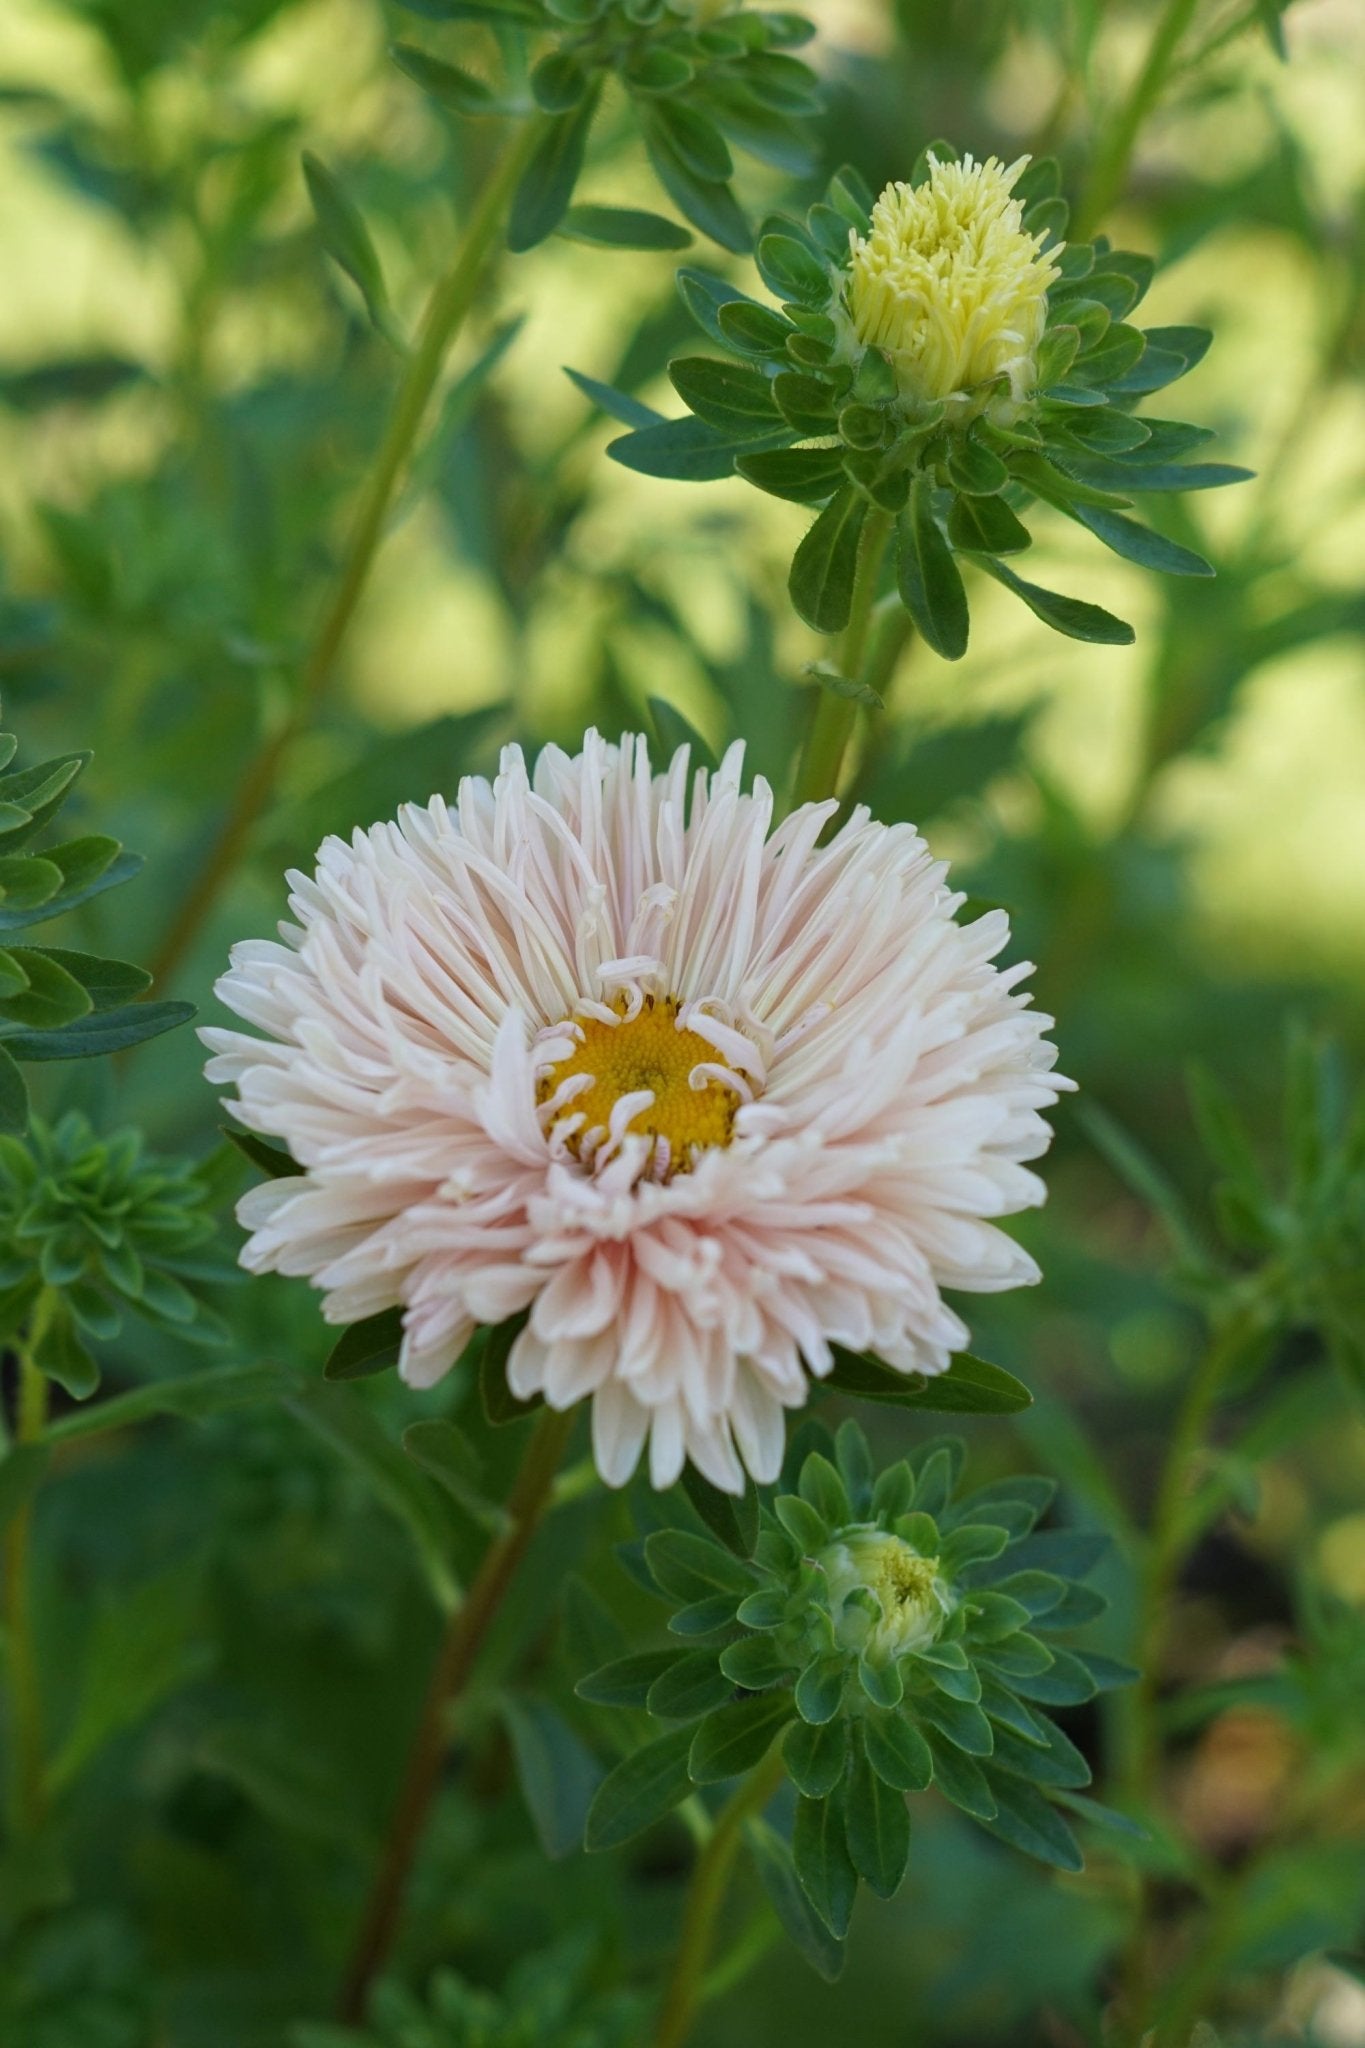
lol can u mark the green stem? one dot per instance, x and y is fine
(26, 1707)
(1110, 170)
(705, 1896)
(834, 719)
(1171, 1533)
(445, 315)
(455, 1660)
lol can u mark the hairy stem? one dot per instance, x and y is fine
(1115, 154)
(834, 718)
(705, 1896)
(26, 1795)
(445, 315)
(455, 1662)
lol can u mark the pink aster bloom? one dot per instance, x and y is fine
(703, 1095)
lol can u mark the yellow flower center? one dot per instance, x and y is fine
(909, 1600)
(949, 284)
(652, 1051)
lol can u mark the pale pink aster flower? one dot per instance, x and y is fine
(704, 1095)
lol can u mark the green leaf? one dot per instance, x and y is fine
(441, 1448)
(108, 983)
(557, 1774)
(366, 1347)
(820, 1689)
(13, 1097)
(823, 1866)
(346, 239)
(692, 137)
(970, 1386)
(974, 468)
(623, 227)
(693, 1684)
(558, 82)
(792, 271)
(822, 1489)
(190, 1399)
(961, 1780)
(987, 526)
(1070, 615)
(542, 197)
(734, 397)
(94, 1035)
(734, 1521)
(342, 1418)
(60, 1354)
(1027, 1821)
(756, 1662)
(708, 204)
(826, 563)
(273, 1160)
(877, 1826)
(686, 450)
(815, 1756)
(618, 405)
(627, 1680)
(897, 1752)
(689, 1567)
(51, 997)
(141, 1646)
(962, 1722)
(449, 84)
(1139, 544)
(641, 1790)
(89, 867)
(736, 1737)
(930, 585)
(800, 1923)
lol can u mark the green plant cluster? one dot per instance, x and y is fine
(56, 1004)
(806, 413)
(698, 79)
(892, 1632)
(547, 1998)
(91, 1227)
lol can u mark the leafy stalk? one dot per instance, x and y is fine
(455, 1660)
(446, 313)
(705, 1896)
(832, 725)
(1121, 134)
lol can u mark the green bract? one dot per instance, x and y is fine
(54, 1003)
(91, 1227)
(699, 78)
(895, 1634)
(806, 412)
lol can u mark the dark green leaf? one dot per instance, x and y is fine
(641, 1790)
(626, 1682)
(734, 1738)
(799, 1921)
(447, 83)
(623, 227)
(367, 1347)
(273, 1160)
(1070, 615)
(970, 1386)
(823, 1867)
(877, 1827)
(1027, 1821)
(1139, 544)
(91, 1036)
(930, 585)
(815, 1756)
(734, 397)
(542, 198)
(558, 1776)
(826, 563)
(693, 1684)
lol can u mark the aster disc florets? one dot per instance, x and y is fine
(951, 286)
(696, 1096)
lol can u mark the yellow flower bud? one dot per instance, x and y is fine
(951, 286)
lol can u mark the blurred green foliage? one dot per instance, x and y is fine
(234, 1614)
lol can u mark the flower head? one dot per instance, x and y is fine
(887, 1599)
(950, 284)
(704, 1096)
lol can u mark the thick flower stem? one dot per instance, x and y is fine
(705, 1896)
(455, 1661)
(445, 315)
(832, 726)
(1120, 138)
(26, 1793)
